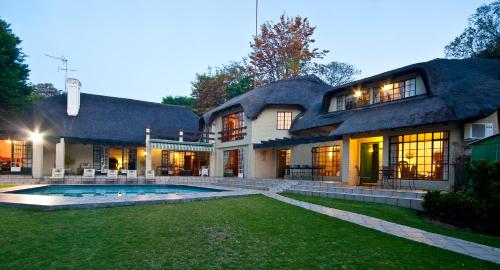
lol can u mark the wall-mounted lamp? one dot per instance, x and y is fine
(357, 93)
(35, 136)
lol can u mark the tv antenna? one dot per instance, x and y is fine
(64, 61)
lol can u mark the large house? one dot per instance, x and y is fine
(416, 121)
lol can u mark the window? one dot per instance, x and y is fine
(284, 120)
(233, 126)
(422, 156)
(15, 154)
(395, 91)
(177, 162)
(327, 157)
(358, 98)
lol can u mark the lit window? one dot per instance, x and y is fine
(422, 156)
(233, 127)
(284, 120)
(358, 98)
(395, 91)
(328, 159)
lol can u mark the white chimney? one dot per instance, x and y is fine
(73, 103)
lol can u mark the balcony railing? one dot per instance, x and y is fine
(232, 134)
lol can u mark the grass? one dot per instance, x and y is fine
(6, 186)
(400, 215)
(235, 233)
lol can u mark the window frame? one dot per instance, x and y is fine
(397, 147)
(286, 123)
(321, 152)
(236, 133)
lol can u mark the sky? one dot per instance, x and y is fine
(149, 49)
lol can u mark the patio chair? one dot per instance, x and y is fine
(112, 177)
(88, 176)
(57, 176)
(131, 177)
(150, 177)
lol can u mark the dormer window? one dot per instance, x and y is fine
(395, 91)
(355, 99)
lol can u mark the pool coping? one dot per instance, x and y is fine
(48, 203)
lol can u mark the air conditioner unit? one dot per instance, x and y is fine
(479, 130)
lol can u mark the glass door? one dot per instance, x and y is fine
(369, 169)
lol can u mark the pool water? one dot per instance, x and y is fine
(112, 191)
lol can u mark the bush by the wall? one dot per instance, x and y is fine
(477, 205)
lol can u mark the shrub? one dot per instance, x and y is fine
(477, 205)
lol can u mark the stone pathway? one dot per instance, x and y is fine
(479, 251)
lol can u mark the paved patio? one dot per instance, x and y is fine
(479, 251)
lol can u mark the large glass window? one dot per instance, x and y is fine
(327, 157)
(177, 162)
(15, 156)
(395, 91)
(422, 156)
(284, 120)
(233, 127)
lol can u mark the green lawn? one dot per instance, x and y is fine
(234, 233)
(6, 186)
(398, 215)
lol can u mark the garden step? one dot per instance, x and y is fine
(414, 203)
(355, 190)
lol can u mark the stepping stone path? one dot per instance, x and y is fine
(475, 250)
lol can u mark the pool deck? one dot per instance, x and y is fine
(48, 203)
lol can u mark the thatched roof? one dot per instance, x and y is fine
(107, 119)
(456, 90)
(302, 92)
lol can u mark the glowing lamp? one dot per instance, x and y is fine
(357, 94)
(36, 136)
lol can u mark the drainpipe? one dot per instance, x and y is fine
(148, 150)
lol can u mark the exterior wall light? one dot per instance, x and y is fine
(36, 136)
(357, 93)
(386, 87)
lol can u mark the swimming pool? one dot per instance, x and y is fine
(112, 191)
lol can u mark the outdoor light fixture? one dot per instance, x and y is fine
(357, 93)
(9, 141)
(36, 136)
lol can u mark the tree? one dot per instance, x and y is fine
(208, 91)
(237, 78)
(178, 100)
(14, 91)
(214, 87)
(44, 90)
(282, 50)
(481, 38)
(337, 73)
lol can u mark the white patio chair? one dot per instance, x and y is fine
(131, 176)
(88, 176)
(57, 175)
(112, 176)
(204, 171)
(150, 177)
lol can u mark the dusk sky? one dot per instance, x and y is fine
(148, 49)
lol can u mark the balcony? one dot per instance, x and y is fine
(234, 134)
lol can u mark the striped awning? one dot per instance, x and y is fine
(181, 146)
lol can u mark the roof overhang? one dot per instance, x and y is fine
(181, 146)
(279, 143)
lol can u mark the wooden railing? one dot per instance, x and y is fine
(232, 134)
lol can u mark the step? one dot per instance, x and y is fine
(414, 203)
(357, 190)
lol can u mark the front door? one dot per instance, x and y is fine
(369, 168)
(283, 161)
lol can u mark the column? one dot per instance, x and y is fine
(345, 158)
(37, 166)
(149, 154)
(60, 154)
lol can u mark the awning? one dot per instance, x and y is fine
(181, 146)
(278, 143)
